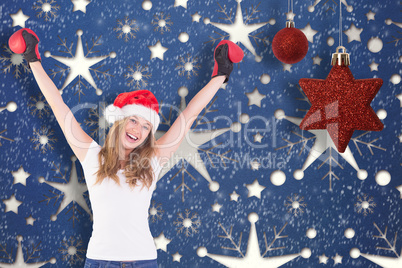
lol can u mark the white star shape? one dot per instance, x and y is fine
(287, 67)
(323, 258)
(337, 259)
(255, 165)
(254, 256)
(79, 64)
(19, 19)
(196, 17)
(317, 60)
(161, 242)
(216, 207)
(385, 261)
(399, 96)
(20, 176)
(188, 151)
(30, 220)
(353, 33)
(12, 204)
(254, 98)
(73, 191)
(234, 196)
(399, 188)
(255, 189)
(258, 137)
(80, 5)
(177, 256)
(182, 3)
(322, 142)
(290, 15)
(238, 31)
(309, 32)
(374, 66)
(157, 50)
(370, 15)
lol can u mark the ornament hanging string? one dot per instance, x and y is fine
(290, 6)
(340, 23)
(290, 45)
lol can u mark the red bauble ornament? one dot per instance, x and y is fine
(290, 45)
(340, 103)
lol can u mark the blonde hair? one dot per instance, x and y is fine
(138, 167)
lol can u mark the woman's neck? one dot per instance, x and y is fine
(123, 156)
(122, 164)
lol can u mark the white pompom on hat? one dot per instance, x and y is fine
(139, 102)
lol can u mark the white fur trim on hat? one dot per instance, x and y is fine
(113, 113)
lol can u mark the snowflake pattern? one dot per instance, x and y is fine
(73, 251)
(5, 138)
(370, 145)
(81, 70)
(365, 204)
(66, 193)
(295, 204)
(399, 24)
(185, 157)
(187, 66)
(161, 23)
(43, 139)
(29, 254)
(239, 29)
(327, 156)
(229, 16)
(137, 77)
(365, 145)
(46, 9)
(155, 212)
(383, 261)
(330, 5)
(229, 236)
(331, 161)
(39, 106)
(97, 122)
(186, 224)
(383, 235)
(303, 140)
(126, 29)
(254, 256)
(14, 60)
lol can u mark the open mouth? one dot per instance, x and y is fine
(131, 137)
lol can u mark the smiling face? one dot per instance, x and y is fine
(135, 132)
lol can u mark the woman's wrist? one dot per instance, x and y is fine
(219, 78)
(34, 64)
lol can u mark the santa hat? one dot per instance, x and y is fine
(139, 102)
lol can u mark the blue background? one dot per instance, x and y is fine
(330, 213)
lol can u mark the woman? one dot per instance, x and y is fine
(122, 174)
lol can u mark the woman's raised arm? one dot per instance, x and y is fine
(26, 41)
(225, 54)
(78, 140)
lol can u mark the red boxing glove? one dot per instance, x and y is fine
(25, 41)
(226, 53)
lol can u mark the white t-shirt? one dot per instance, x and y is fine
(120, 215)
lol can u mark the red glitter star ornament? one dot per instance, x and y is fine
(340, 103)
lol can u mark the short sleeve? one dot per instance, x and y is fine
(93, 151)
